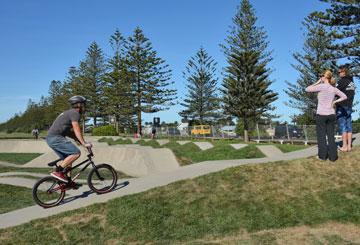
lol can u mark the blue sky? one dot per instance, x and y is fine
(41, 39)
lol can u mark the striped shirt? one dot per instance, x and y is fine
(326, 96)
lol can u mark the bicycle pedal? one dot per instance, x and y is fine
(74, 186)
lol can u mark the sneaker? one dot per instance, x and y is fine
(60, 176)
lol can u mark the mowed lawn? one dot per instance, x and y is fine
(304, 201)
(14, 197)
(4, 135)
(18, 158)
(285, 148)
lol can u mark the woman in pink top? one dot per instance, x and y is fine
(325, 115)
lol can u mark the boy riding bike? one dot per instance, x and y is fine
(67, 125)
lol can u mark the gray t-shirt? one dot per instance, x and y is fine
(63, 123)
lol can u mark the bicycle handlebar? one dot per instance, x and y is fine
(91, 154)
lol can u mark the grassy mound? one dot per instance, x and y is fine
(190, 153)
(289, 148)
(14, 197)
(110, 141)
(18, 158)
(301, 201)
(4, 135)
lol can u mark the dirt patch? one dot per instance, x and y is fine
(5, 237)
(82, 218)
(76, 219)
(349, 233)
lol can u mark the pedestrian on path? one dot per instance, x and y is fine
(35, 133)
(153, 132)
(325, 115)
(344, 108)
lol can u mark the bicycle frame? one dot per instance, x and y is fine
(89, 161)
(101, 179)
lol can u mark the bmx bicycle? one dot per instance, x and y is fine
(49, 192)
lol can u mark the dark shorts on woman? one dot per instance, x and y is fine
(62, 146)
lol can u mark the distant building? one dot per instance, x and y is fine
(183, 128)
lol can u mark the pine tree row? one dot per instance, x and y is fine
(134, 80)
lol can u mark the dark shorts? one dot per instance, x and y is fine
(343, 115)
(62, 146)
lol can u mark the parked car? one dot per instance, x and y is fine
(228, 131)
(173, 131)
(88, 128)
(294, 132)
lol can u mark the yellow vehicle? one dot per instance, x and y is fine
(201, 130)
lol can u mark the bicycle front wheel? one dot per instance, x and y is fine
(48, 192)
(102, 178)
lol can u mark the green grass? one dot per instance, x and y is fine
(190, 153)
(14, 197)
(152, 143)
(4, 135)
(18, 158)
(21, 176)
(289, 148)
(269, 203)
(110, 141)
(45, 170)
(4, 169)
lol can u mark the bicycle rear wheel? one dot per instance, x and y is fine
(48, 192)
(102, 178)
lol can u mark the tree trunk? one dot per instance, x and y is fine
(139, 95)
(117, 124)
(139, 124)
(246, 128)
(139, 118)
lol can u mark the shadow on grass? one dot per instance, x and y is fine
(90, 192)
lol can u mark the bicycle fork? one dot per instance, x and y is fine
(97, 172)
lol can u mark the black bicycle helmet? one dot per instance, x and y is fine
(77, 99)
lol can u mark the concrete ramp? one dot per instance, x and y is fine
(16, 181)
(24, 146)
(204, 145)
(134, 161)
(270, 150)
(238, 146)
(183, 142)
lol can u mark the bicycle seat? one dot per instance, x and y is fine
(53, 163)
